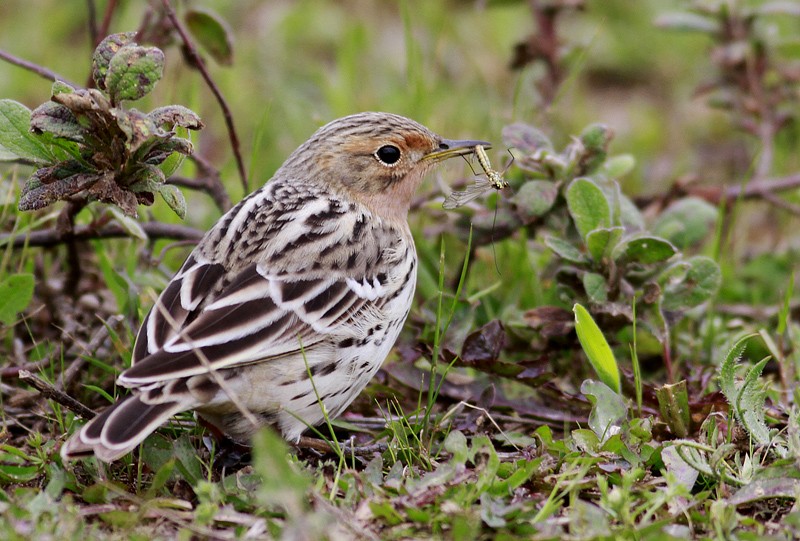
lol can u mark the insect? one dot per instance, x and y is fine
(493, 179)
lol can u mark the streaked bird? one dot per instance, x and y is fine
(293, 299)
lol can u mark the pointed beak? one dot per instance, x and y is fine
(450, 148)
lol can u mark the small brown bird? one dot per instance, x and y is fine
(292, 301)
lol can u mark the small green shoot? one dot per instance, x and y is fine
(596, 347)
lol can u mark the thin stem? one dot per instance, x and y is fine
(52, 237)
(201, 67)
(35, 68)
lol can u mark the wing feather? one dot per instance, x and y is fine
(221, 312)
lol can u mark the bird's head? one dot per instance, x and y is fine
(379, 159)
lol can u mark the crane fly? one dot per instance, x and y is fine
(493, 179)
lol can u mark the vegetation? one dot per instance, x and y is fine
(607, 349)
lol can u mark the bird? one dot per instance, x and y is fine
(290, 303)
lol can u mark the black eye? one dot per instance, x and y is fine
(388, 154)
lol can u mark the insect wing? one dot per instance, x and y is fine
(458, 199)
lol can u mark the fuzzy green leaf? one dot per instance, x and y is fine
(213, 33)
(608, 409)
(595, 286)
(174, 198)
(750, 403)
(619, 166)
(689, 283)
(645, 249)
(103, 54)
(747, 397)
(15, 136)
(601, 242)
(595, 140)
(283, 484)
(596, 348)
(535, 198)
(16, 292)
(686, 222)
(564, 249)
(133, 72)
(588, 206)
(727, 370)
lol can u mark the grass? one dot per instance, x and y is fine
(484, 423)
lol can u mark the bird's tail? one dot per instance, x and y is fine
(119, 429)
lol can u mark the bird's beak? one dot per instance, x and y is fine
(450, 148)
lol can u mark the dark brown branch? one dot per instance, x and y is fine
(51, 237)
(201, 67)
(50, 392)
(35, 68)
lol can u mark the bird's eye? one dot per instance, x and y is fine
(388, 154)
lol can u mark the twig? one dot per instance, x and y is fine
(92, 22)
(324, 447)
(51, 237)
(101, 34)
(50, 392)
(10, 372)
(207, 180)
(35, 68)
(201, 67)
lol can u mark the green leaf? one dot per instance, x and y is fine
(130, 225)
(762, 489)
(15, 136)
(596, 348)
(588, 206)
(686, 222)
(133, 72)
(601, 242)
(16, 292)
(174, 198)
(619, 166)
(595, 286)
(689, 283)
(645, 249)
(213, 33)
(746, 398)
(283, 485)
(456, 444)
(103, 54)
(535, 198)
(608, 409)
(750, 403)
(564, 249)
(595, 140)
(673, 403)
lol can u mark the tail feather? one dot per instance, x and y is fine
(119, 429)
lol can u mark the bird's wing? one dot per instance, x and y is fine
(210, 317)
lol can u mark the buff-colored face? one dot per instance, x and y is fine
(378, 158)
